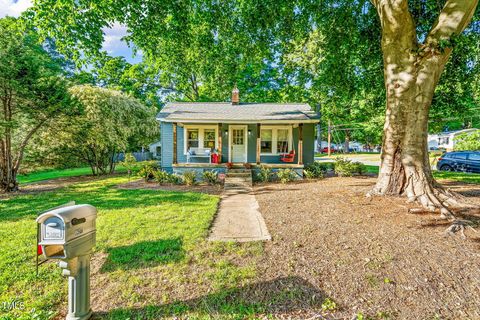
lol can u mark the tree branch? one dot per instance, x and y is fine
(24, 143)
(453, 19)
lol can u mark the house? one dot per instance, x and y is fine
(446, 140)
(254, 133)
(156, 149)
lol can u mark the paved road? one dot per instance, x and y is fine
(367, 159)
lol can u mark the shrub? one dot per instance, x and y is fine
(247, 165)
(190, 178)
(161, 176)
(148, 169)
(210, 177)
(174, 179)
(315, 170)
(130, 163)
(346, 168)
(264, 174)
(229, 165)
(286, 175)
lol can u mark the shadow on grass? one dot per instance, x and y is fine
(281, 295)
(143, 254)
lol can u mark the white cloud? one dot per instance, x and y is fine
(115, 46)
(13, 8)
(113, 43)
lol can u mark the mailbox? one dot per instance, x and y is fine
(69, 234)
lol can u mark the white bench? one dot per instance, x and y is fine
(199, 153)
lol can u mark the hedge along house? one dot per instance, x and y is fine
(274, 135)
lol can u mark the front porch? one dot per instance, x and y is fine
(253, 143)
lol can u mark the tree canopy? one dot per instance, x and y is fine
(321, 52)
(33, 92)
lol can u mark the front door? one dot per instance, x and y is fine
(238, 144)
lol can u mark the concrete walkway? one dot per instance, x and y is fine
(238, 217)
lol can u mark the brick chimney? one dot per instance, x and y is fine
(235, 96)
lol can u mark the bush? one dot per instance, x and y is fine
(346, 168)
(130, 163)
(315, 170)
(190, 178)
(210, 177)
(148, 169)
(247, 165)
(286, 175)
(161, 176)
(264, 174)
(174, 179)
(229, 165)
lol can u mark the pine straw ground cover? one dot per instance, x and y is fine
(368, 255)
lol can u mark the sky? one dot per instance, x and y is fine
(113, 43)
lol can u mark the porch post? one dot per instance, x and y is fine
(258, 144)
(219, 143)
(300, 143)
(174, 143)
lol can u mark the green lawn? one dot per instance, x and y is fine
(444, 175)
(58, 173)
(150, 246)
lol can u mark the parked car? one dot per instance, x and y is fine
(325, 150)
(465, 161)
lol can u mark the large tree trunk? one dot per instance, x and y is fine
(411, 72)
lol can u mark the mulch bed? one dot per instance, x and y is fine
(368, 254)
(202, 188)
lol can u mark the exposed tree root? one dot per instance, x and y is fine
(459, 226)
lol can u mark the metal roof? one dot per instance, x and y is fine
(225, 112)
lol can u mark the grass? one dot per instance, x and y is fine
(150, 244)
(444, 175)
(58, 173)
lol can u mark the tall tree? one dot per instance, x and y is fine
(32, 93)
(110, 120)
(412, 70)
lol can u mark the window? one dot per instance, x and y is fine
(192, 138)
(282, 141)
(237, 136)
(474, 156)
(266, 136)
(209, 138)
(275, 139)
(461, 156)
(201, 136)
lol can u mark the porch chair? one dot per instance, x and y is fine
(288, 157)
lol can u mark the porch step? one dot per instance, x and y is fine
(238, 179)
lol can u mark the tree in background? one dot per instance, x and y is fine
(468, 141)
(33, 92)
(110, 120)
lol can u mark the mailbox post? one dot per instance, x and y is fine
(69, 234)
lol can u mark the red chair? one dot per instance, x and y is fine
(288, 157)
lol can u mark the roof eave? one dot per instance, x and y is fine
(238, 121)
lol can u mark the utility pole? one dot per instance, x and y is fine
(319, 129)
(329, 138)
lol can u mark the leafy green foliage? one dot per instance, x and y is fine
(210, 176)
(33, 93)
(148, 169)
(346, 168)
(189, 177)
(110, 120)
(264, 174)
(160, 176)
(286, 175)
(468, 141)
(316, 170)
(130, 163)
